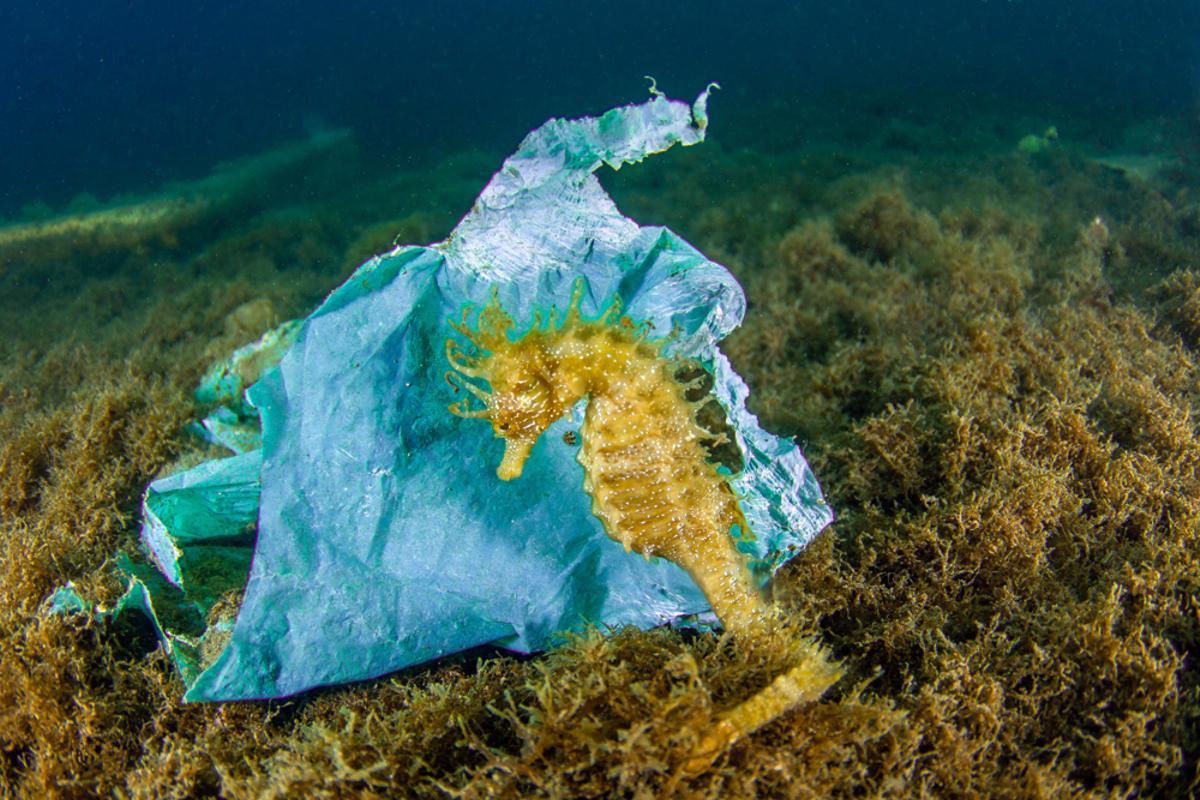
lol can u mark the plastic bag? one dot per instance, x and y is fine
(384, 538)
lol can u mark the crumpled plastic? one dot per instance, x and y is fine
(234, 423)
(384, 537)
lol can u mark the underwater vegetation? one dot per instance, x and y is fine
(146, 226)
(990, 358)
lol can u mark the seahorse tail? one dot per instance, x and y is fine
(805, 682)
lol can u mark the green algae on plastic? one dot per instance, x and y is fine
(384, 538)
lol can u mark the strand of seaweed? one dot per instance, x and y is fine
(646, 468)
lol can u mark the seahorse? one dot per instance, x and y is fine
(646, 461)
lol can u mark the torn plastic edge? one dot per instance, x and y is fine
(226, 381)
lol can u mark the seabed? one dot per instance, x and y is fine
(990, 356)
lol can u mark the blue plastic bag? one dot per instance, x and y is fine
(384, 538)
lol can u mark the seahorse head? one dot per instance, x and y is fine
(527, 388)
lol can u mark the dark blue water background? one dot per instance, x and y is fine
(118, 95)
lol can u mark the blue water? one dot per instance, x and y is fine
(119, 95)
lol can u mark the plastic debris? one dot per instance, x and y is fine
(384, 537)
(199, 525)
(227, 381)
(230, 430)
(234, 424)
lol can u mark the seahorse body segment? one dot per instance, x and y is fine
(646, 465)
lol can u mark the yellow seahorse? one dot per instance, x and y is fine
(646, 467)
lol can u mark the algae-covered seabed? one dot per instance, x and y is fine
(989, 356)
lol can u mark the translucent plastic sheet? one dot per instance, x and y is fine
(384, 537)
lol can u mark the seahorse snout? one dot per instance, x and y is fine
(515, 453)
